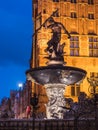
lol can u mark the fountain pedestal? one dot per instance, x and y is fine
(55, 78)
(54, 107)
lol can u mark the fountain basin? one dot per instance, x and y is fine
(55, 78)
(55, 75)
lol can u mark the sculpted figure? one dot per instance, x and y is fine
(54, 48)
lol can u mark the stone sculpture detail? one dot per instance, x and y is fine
(54, 108)
(54, 49)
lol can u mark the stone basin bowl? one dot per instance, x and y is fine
(55, 75)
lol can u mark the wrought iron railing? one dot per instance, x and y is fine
(48, 125)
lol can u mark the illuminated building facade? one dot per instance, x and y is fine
(80, 18)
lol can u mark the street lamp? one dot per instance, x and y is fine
(20, 85)
(34, 103)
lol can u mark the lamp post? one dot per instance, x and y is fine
(93, 90)
(34, 103)
(20, 85)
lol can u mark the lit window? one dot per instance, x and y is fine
(93, 47)
(55, 0)
(91, 16)
(75, 90)
(44, 11)
(74, 46)
(72, 91)
(56, 14)
(90, 2)
(40, 21)
(73, 1)
(93, 75)
(73, 15)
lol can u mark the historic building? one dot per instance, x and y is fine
(20, 99)
(80, 18)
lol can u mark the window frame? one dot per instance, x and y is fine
(90, 15)
(93, 46)
(91, 2)
(73, 15)
(56, 1)
(73, 1)
(75, 90)
(74, 46)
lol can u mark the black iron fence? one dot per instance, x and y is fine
(48, 124)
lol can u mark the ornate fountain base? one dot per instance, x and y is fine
(55, 78)
(54, 108)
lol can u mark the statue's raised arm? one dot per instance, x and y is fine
(43, 25)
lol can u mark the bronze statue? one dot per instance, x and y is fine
(54, 48)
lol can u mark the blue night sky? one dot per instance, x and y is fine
(15, 43)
